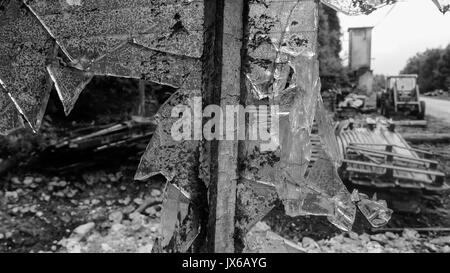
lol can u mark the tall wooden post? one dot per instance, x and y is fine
(222, 191)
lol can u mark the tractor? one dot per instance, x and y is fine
(401, 98)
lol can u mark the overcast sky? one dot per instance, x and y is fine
(411, 26)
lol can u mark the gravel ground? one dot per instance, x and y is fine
(97, 212)
(106, 211)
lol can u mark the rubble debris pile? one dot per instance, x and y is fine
(407, 241)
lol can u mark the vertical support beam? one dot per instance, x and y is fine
(229, 35)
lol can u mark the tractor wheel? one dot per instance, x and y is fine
(422, 113)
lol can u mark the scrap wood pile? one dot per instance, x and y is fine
(375, 155)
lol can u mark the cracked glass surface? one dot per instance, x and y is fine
(284, 69)
(290, 77)
(159, 41)
(87, 30)
(375, 211)
(178, 162)
(10, 119)
(69, 83)
(356, 7)
(25, 47)
(178, 230)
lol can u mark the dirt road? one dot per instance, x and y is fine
(438, 108)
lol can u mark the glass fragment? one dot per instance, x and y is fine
(69, 83)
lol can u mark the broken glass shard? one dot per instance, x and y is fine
(135, 61)
(25, 47)
(443, 5)
(255, 200)
(10, 119)
(327, 133)
(166, 156)
(87, 30)
(296, 129)
(175, 208)
(345, 211)
(375, 211)
(324, 178)
(356, 7)
(262, 240)
(69, 83)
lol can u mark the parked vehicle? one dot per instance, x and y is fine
(402, 98)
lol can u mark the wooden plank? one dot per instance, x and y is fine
(435, 173)
(427, 138)
(223, 184)
(395, 155)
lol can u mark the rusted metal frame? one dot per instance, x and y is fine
(222, 192)
(397, 168)
(402, 158)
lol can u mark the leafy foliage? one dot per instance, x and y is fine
(433, 68)
(332, 71)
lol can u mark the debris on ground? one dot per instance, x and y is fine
(98, 211)
(409, 241)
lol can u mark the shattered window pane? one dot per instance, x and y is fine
(131, 60)
(69, 83)
(158, 41)
(9, 116)
(324, 194)
(327, 133)
(90, 29)
(177, 230)
(22, 72)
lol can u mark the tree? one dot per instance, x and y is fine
(332, 71)
(432, 67)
